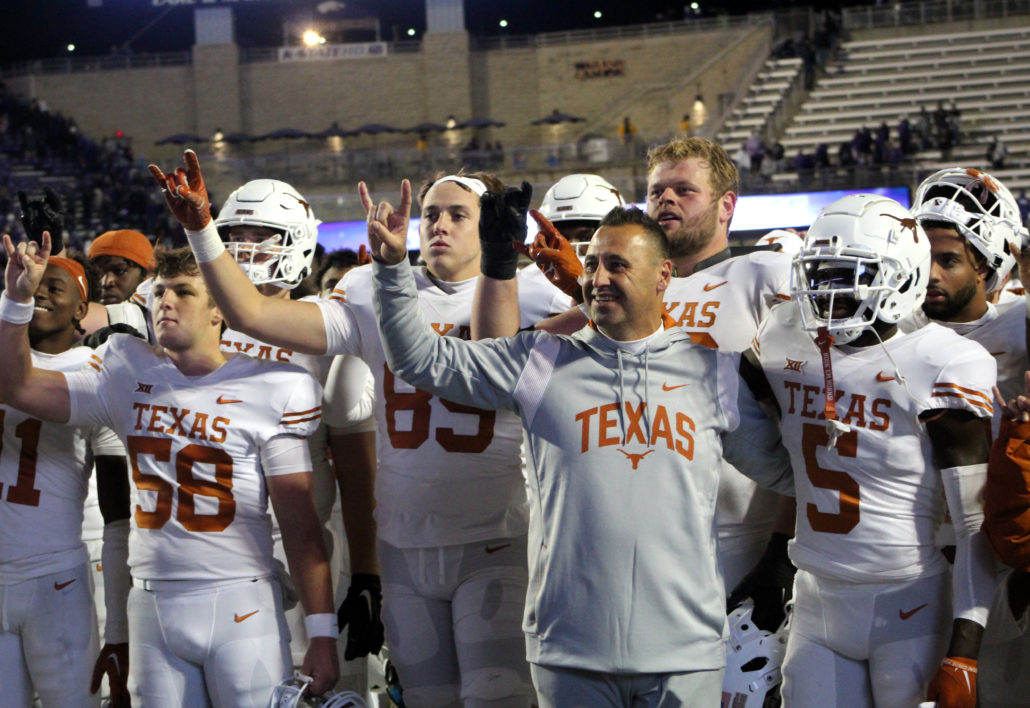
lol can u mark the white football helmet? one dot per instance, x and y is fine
(982, 210)
(865, 259)
(580, 198)
(784, 241)
(753, 660)
(285, 258)
(293, 693)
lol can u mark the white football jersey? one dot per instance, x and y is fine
(1001, 331)
(44, 474)
(540, 296)
(722, 307)
(448, 474)
(868, 507)
(199, 499)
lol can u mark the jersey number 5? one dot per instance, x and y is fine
(814, 436)
(418, 403)
(189, 486)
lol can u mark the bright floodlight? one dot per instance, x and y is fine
(311, 38)
(503, 23)
(694, 6)
(597, 14)
(71, 47)
(411, 31)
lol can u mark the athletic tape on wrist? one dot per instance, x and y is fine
(206, 244)
(322, 625)
(18, 313)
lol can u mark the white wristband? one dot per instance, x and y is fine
(18, 313)
(206, 244)
(321, 625)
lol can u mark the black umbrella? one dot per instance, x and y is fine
(181, 139)
(556, 117)
(376, 129)
(284, 134)
(335, 131)
(238, 138)
(480, 123)
(426, 128)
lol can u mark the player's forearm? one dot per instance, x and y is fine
(495, 308)
(966, 637)
(309, 563)
(567, 322)
(284, 323)
(354, 459)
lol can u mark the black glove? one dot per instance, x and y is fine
(39, 215)
(502, 221)
(359, 612)
(97, 338)
(770, 584)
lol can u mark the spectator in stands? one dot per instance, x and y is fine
(685, 125)
(756, 152)
(775, 154)
(822, 156)
(905, 136)
(741, 158)
(846, 155)
(1023, 202)
(996, 153)
(955, 122)
(923, 131)
(124, 258)
(804, 165)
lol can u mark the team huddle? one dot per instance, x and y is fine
(640, 471)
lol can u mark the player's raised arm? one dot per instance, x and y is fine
(283, 322)
(38, 392)
(502, 229)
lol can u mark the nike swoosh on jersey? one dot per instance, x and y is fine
(905, 615)
(62, 586)
(494, 549)
(711, 286)
(239, 618)
(880, 376)
(667, 387)
(223, 400)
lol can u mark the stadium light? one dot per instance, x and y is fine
(71, 47)
(503, 23)
(411, 31)
(311, 38)
(597, 14)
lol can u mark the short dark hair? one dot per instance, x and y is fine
(979, 259)
(340, 258)
(179, 261)
(631, 216)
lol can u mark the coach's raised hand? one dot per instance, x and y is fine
(185, 192)
(387, 227)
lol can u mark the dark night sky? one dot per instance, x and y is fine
(43, 28)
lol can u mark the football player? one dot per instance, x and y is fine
(971, 219)
(271, 231)
(211, 440)
(878, 422)
(451, 500)
(48, 635)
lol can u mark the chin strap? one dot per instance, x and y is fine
(834, 428)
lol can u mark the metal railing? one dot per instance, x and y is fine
(921, 13)
(258, 55)
(71, 65)
(652, 29)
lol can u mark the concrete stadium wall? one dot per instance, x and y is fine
(445, 78)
